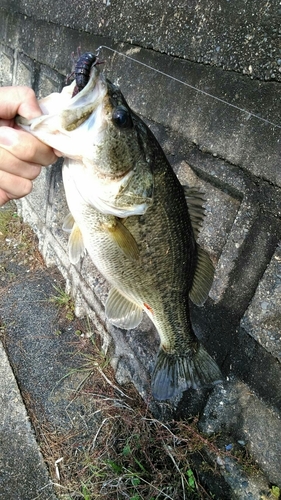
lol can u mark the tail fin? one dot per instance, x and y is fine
(174, 374)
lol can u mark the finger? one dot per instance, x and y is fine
(26, 147)
(14, 186)
(10, 164)
(6, 123)
(18, 101)
(58, 153)
(4, 197)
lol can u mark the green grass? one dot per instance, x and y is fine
(7, 216)
(17, 239)
(64, 303)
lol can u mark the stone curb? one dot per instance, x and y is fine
(23, 473)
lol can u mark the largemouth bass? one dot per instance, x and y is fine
(136, 221)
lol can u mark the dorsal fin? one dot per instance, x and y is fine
(203, 278)
(195, 200)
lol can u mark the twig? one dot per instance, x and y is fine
(112, 385)
(99, 429)
(183, 480)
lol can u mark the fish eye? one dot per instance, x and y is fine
(121, 117)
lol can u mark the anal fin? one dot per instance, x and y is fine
(122, 312)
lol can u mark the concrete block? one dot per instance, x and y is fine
(241, 416)
(262, 319)
(34, 206)
(219, 206)
(23, 70)
(56, 207)
(49, 81)
(201, 113)
(238, 38)
(222, 112)
(6, 65)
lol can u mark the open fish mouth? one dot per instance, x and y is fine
(65, 118)
(95, 131)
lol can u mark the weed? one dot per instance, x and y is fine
(245, 460)
(6, 217)
(191, 479)
(18, 239)
(132, 455)
(64, 302)
(85, 492)
(275, 491)
(129, 454)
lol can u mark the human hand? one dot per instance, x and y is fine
(21, 154)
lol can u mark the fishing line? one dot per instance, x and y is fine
(249, 113)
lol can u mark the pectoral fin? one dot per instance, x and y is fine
(123, 238)
(121, 312)
(68, 223)
(203, 278)
(76, 248)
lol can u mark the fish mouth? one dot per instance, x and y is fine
(65, 119)
(80, 127)
(86, 102)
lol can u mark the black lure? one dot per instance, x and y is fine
(82, 71)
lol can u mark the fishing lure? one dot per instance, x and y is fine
(82, 70)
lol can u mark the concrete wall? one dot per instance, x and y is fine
(208, 85)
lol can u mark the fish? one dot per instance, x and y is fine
(136, 221)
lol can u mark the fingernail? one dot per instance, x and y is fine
(8, 136)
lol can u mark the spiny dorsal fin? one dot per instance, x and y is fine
(76, 248)
(123, 238)
(195, 200)
(121, 312)
(203, 278)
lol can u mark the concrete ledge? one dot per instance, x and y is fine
(23, 474)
